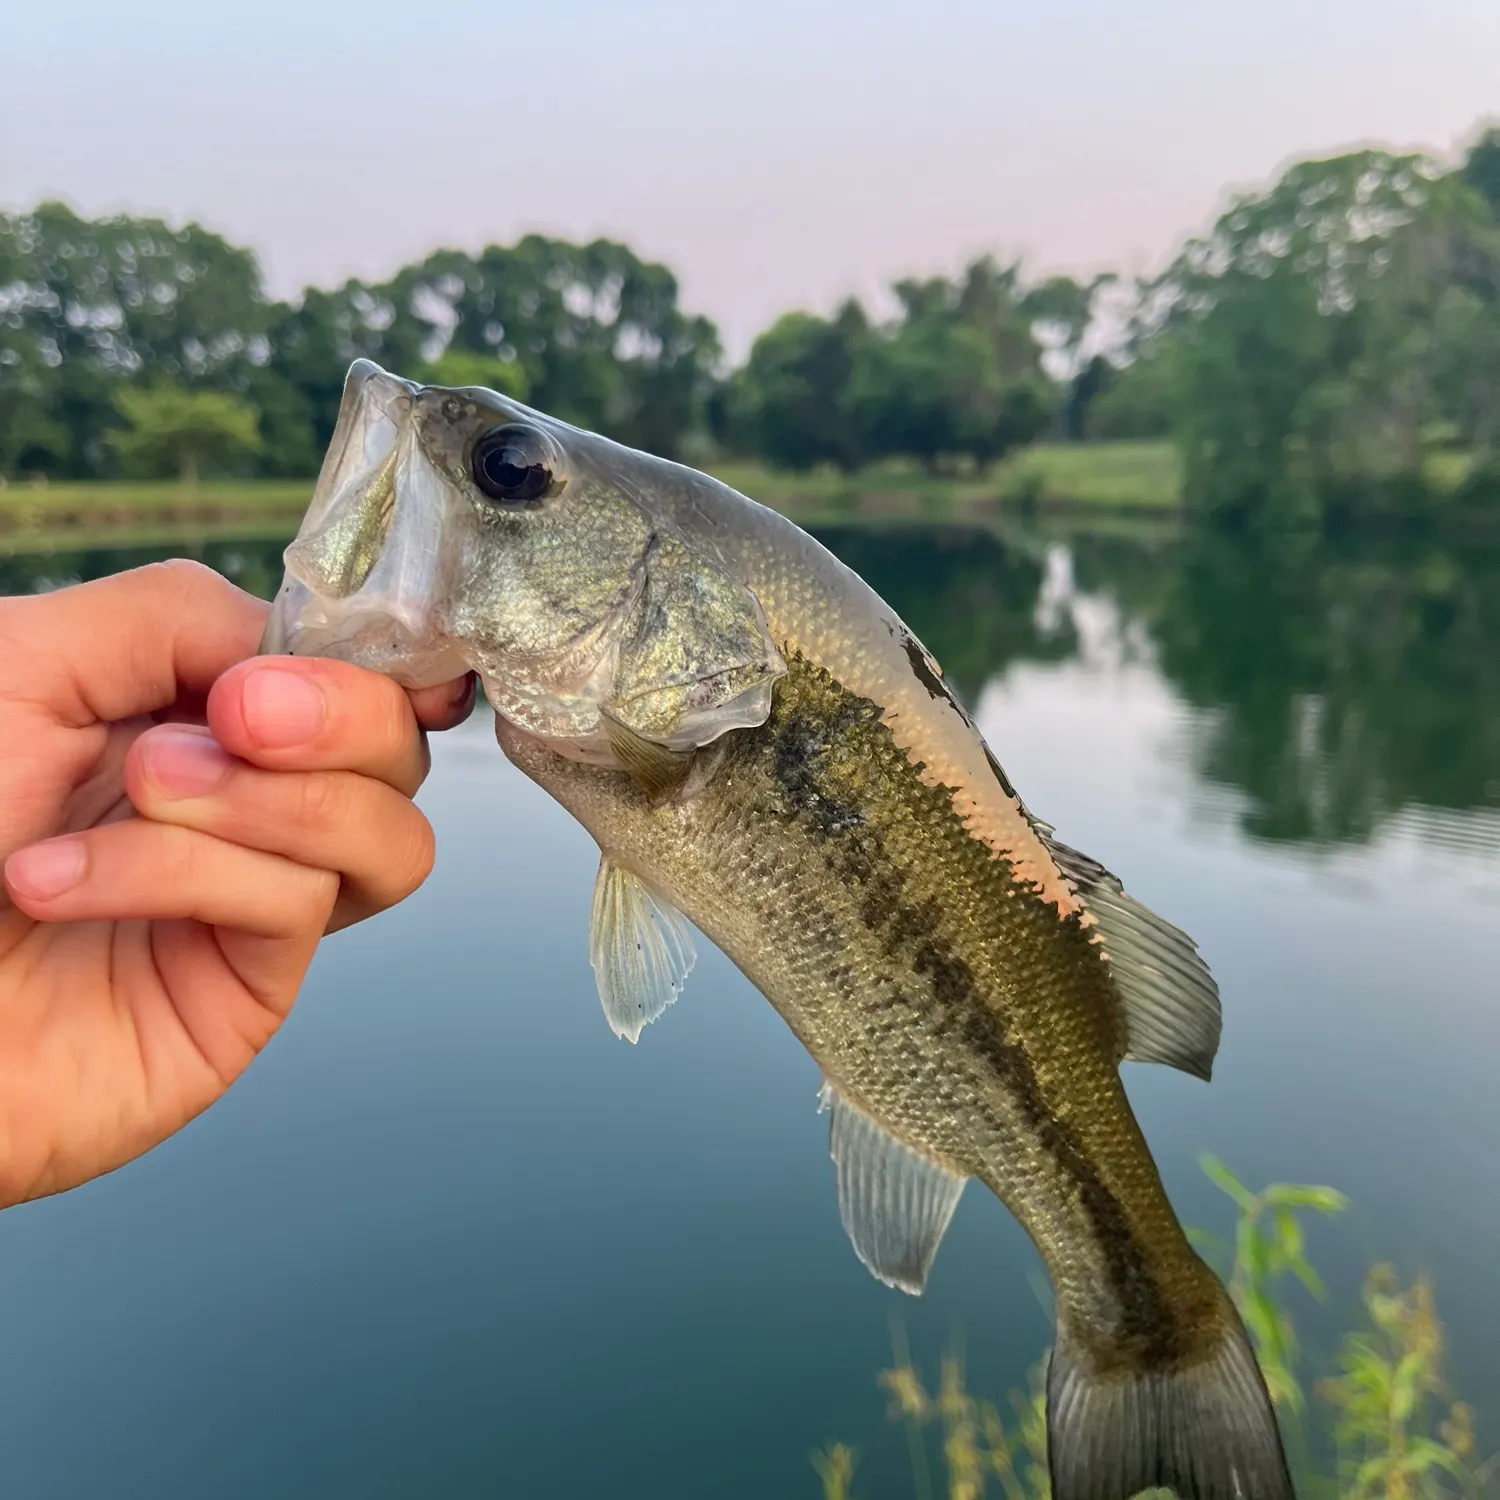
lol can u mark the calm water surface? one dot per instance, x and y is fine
(449, 1236)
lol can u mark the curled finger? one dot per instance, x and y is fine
(139, 870)
(371, 835)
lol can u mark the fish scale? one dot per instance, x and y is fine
(906, 959)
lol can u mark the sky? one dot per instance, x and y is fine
(774, 154)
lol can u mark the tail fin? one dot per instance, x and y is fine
(1205, 1430)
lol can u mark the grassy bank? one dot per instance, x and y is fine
(1106, 478)
(1125, 477)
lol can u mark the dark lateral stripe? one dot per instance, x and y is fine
(812, 715)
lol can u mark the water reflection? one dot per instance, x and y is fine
(1348, 678)
(1343, 682)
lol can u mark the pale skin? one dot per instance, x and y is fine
(180, 826)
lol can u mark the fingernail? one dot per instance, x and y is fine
(184, 764)
(464, 691)
(281, 708)
(47, 870)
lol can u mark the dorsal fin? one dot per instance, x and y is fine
(1170, 1001)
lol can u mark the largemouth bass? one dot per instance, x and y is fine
(759, 744)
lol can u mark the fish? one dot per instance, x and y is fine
(764, 752)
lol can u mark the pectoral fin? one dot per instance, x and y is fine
(641, 949)
(655, 769)
(1168, 998)
(894, 1202)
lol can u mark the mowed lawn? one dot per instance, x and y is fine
(1138, 477)
(1130, 476)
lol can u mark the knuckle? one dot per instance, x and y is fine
(183, 860)
(410, 858)
(397, 725)
(184, 575)
(421, 854)
(323, 801)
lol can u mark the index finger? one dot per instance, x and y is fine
(128, 644)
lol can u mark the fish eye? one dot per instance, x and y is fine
(512, 464)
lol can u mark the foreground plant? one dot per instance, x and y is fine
(1400, 1435)
(1398, 1432)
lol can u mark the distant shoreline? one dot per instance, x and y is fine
(1120, 480)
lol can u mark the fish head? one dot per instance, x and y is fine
(455, 529)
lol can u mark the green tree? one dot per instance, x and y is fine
(87, 305)
(596, 332)
(1137, 400)
(459, 367)
(1336, 325)
(790, 403)
(169, 429)
(1481, 169)
(932, 390)
(310, 347)
(958, 376)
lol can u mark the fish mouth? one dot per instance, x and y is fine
(363, 570)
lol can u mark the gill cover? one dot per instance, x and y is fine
(697, 659)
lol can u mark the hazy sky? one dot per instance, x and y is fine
(774, 153)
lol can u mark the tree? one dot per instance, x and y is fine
(459, 367)
(1062, 313)
(595, 332)
(790, 403)
(958, 377)
(172, 429)
(1137, 400)
(1328, 328)
(310, 348)
(86, 305)
(1481, 169)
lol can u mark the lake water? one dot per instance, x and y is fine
(450, 1237)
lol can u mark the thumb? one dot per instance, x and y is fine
(125, 645)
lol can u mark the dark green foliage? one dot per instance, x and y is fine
(1332, 341)
(1482, 167)
(955, 379)
(1342, 324)
(171, 430)
(790, 403)
(590, 332)
(1136, 401)
(87, 306)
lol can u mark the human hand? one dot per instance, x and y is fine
(180, 826)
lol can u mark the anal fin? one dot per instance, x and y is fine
(641, 949)
(894, 1202)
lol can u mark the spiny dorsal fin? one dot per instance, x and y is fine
(895, 1204)
(641, 948)
(1170, 1000)
(653, 767)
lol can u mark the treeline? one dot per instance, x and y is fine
(1339, 328)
